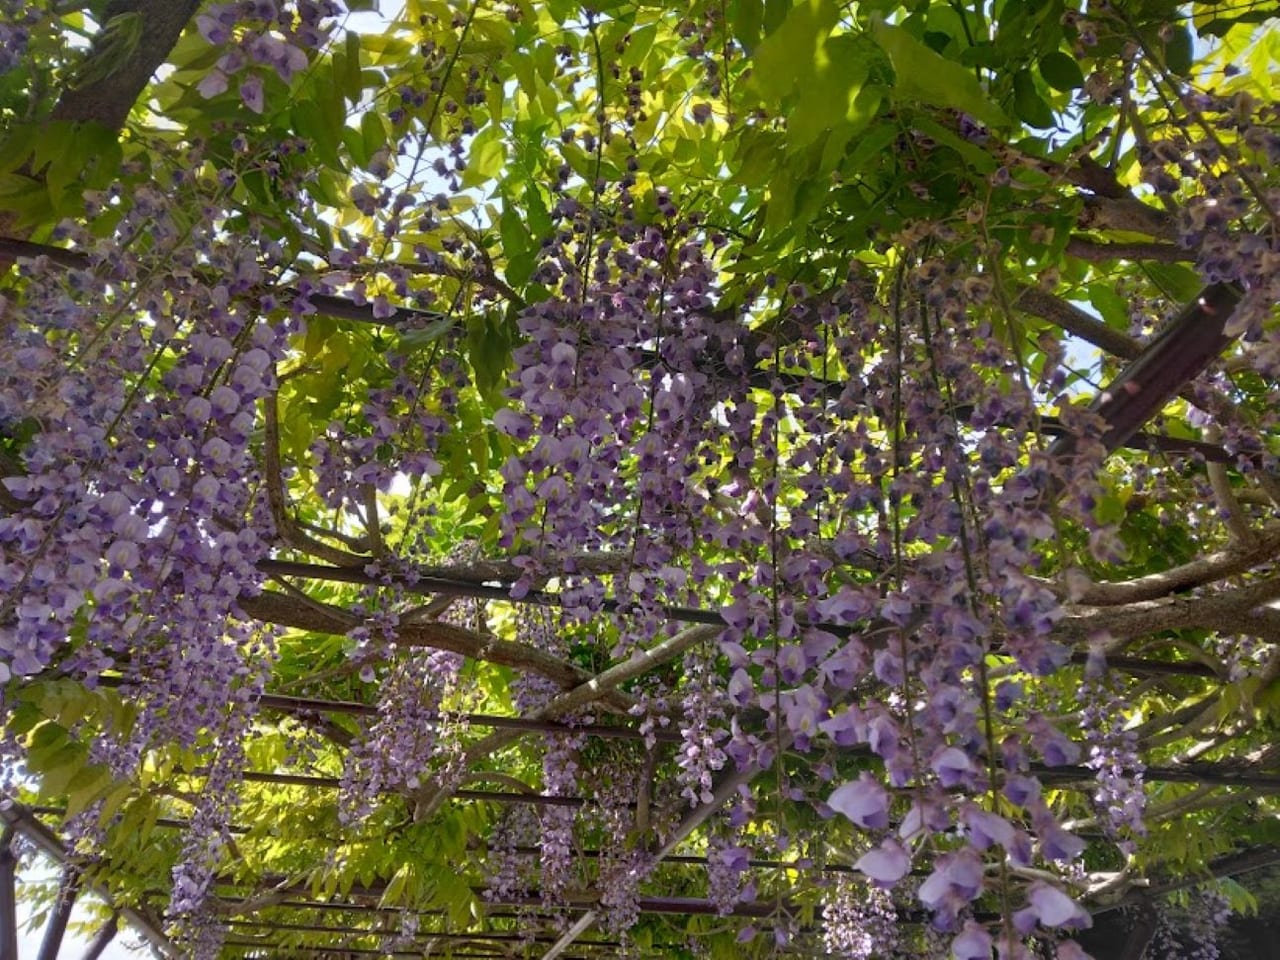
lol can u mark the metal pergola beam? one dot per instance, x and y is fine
(605, 731)
(56, 926)
(1218, 774)
(106, 933)
(8, 897)
(492, 937)
(650, 904)
(416, 950)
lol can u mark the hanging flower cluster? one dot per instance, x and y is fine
(266, 34)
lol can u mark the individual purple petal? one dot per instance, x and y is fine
(843, 728)
(213, 30)
(986, 828)
(513, 423)
(213, 83)
(864, 801)
(972, 943)
(1022, 790)
(888, 668)
(955, 882)
(1054, 908)
(882, 737)
(952, 765)
(1058, 844)
(251, 93)
(291, 60)
(740, 688)
(885, 864)
(1025, 921)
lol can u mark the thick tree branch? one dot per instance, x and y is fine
(1127, 215)
(1228, 506)
(1228, 611)
(108, 100)
(287, 611)
(1076, 322)
(8, 895)
(273, 479)
(1228, 865)
(1096, 251)
(340, 308)
(1235, 559)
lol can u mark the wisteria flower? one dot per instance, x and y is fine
(886, 864)
(252, 94)
(1050, 907)
(864, 801)
(955, 882)
(513, 423)
(952, 765)
(972, 943)
(213, 83)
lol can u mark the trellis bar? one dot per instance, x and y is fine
(56, 926)
(1226, 775)
(106, 933)
(513, 937)
(8, 899)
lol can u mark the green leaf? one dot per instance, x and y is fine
(828, 99)
(1061, 72)
(782, 203)
(346, 68)
(1112, 307)
(57, 766)
(24, 197)
(927, 77)
(775, 12)
(53, 139)
(487, 157)
(395, 889)
(794, 52)
(17, 147)
(318, 128)
(489, 350)
(516, 238)
(1179, 52)
(1028, 103)
(373, 134)
(87, 785)
(425, 336)
(747, 19)
(1178, 281)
